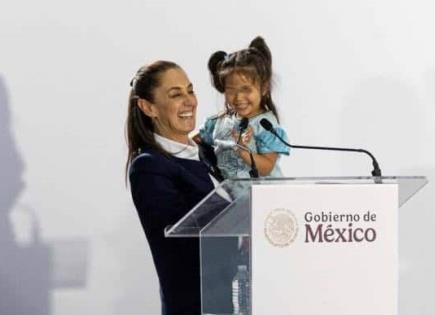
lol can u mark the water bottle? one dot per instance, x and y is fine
(241, 292)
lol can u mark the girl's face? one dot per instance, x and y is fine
(243, 95)
(174, 107)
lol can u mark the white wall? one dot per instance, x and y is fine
(348, 73)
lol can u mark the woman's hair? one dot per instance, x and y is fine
(254, 62)
(139, 127)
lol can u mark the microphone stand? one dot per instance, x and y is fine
(376, 172)
(253, 172)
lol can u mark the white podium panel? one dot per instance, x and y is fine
(324, 249)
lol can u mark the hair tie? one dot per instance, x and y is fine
(227, 57)
(133, 82)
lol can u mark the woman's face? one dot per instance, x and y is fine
(174, 107)
(243, 95)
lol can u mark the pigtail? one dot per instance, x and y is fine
(254, 61)
(214, 65)
(259, 44)
(259, 47)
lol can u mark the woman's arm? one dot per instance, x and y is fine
(156, 195)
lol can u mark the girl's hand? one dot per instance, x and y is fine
(197, 138)
(245, 138)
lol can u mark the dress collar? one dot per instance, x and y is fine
(180, 150)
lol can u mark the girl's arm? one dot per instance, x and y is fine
(264, 162)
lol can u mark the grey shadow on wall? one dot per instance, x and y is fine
(24, 270)
(28, 272)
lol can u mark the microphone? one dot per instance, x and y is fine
(230, 143)
(242, 127)
(266, 124)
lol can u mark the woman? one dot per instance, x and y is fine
(166, 176)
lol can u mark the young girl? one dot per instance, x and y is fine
(244, 77)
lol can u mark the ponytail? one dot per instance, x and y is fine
(214, 64)
(139, 128)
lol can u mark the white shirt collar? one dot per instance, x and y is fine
(184, 151)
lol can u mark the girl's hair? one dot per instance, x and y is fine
(139, 127)
(254, 62)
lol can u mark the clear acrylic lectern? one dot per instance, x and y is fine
(223, 222)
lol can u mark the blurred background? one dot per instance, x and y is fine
(347, 73)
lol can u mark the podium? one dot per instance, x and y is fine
(309, 246)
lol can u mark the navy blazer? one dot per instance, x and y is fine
(164, 189)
